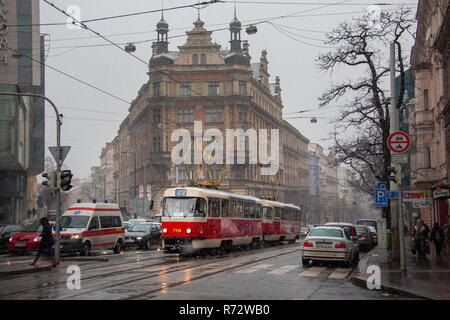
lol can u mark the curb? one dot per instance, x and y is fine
(24, 271)
(360, 282)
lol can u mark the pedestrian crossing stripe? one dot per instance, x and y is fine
(312, 272)
(283, 269)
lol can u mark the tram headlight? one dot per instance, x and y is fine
(188, 230)
(164, 230)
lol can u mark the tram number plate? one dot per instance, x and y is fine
(176, 230)
(323, 245)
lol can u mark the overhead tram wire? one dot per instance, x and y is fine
(314, 3)
(68, 75)
(204, 3)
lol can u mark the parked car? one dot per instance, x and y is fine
(374, 235)
(348, 229)
(143, 235)
(364, 237)
(327, 243)
(304, 231)
(26, 240)
(6, 232)
(368, 222)
(127, 225)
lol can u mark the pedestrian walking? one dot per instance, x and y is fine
(437, 237)
(46, 243)
(419, 236)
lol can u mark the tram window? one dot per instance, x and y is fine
(246, 210)
(258, 211)
(225, 208)
(277, 213)
(232, 208)
(267, 213)
(239, 209)
(200, 208)
(214, 207)
(284, 214)
(252, 210)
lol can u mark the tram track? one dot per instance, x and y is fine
(152, 274)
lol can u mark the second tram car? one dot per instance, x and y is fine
(281, 221)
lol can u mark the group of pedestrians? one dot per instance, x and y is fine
(422, 237)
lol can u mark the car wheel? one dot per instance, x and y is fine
(148, 244)
(86, 250)
(305, 262)
(118, 246)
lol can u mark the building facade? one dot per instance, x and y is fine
(220, 90)
(22, 119)
(107, 173)
(429, 153)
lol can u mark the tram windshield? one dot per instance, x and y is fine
(184, 207)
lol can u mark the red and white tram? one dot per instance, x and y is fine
(281, 221)
(197, 218)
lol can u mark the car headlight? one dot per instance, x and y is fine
(188, 230)
(37, 239)
(139, 238)
(164, 230)
(75, 237)
(10, 239)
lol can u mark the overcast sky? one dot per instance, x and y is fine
(92, 118)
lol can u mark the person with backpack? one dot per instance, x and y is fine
(419, 238)
(437, 236)
(47, 243)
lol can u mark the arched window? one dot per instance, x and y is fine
(194, 58)
(203, 58)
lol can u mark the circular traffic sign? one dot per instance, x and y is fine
(399, 142)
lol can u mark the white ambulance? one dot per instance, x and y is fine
(92, 226)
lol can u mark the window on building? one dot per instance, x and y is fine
(156, 144)
(157, 89)
(213, 88)
(185, 89)
(194, 58)
(242, 87)
(428, 157)
(243, 114)
(203, 58)
(214, 115)
(185, 116)
(425, 99)
(156, 116)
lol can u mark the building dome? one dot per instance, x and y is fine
(162, 25)
(235, 24)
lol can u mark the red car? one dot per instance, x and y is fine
(27, 240)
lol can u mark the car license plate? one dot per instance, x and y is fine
(323, 245)
(20, 245)
(129, 241)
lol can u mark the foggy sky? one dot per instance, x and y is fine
(112, 70)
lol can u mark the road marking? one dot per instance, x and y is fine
(338, 275)
(254, 268)
(312, 272)
(284, 269)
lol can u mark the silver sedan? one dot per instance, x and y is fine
(328, 244)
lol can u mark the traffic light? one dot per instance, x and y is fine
(64, 180)
(51, 181)
(397, 177)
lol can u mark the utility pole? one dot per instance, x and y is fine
(394, 186)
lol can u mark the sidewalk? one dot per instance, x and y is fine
(427, 279)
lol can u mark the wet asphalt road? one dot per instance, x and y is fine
(272, 273)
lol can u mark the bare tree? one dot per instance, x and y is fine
(362, 47)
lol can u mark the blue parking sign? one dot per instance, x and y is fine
(381, 199)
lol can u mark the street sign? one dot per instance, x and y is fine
(381, 185)
(64, 151)
(393, 194)
(398, 142)
(381, 199)
(401, 158)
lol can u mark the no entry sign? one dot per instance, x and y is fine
(398, 142)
